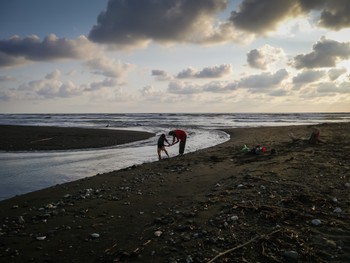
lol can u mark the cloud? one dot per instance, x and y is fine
(188, 88)
(220, 87)
(50, 87)
(208, 72)
(55, 75)
(308, 76)
(161, 74)
(266, 82)
(335, 73)
(335, 14)
(11, 61)
(18, 51)
(8, 95)
(6, 78)
(330, 87)
(109, 67)
(134, 23)
(326, 53)
(108, 82)
(262, 57)
(179, 87)
(259, 17)
(263, 80)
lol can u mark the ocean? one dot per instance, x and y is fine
(23, 172)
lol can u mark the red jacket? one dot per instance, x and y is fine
(180, 135)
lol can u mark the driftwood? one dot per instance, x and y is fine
(243, 245)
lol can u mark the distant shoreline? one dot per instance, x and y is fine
(36, 138)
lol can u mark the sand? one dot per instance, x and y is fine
(27, 138)
(214, 205)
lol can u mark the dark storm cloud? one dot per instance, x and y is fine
(335, 15)
(134, 22)
(326, 53)
(258, 16)
(10, 61)
(208, 72)
(17, 50)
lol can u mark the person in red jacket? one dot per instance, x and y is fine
(179, 136)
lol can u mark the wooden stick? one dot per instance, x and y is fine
(242, 245)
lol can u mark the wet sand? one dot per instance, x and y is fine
(214, 205)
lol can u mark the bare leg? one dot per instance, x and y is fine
(166, 152)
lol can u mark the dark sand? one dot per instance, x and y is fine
(27, 138)
(215, 204)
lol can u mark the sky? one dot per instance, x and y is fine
(150, 56)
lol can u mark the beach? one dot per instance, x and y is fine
(289, 203)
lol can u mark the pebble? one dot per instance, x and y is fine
(95, 235)
(347, 185)
(21, 220)
(234, 218)
(158, 233)
(316, 222)
(331, 244)
(291, 254)
(337, 210)
(41, 238)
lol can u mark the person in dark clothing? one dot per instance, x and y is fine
(179, 136)
(161, 146)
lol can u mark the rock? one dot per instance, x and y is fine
(291, 254)
(337, 210)
(158, 233)
(21, 220)
(316, 222)
(95, 235)
(234, 218)
(331, 244)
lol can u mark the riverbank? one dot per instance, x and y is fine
(289, 203)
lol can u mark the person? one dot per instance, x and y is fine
(179, 136)
(315, 136)
(161, 146)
